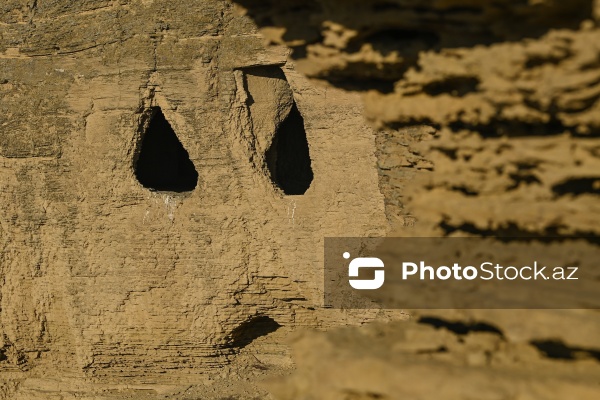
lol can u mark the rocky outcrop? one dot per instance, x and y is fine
(461, 117)
(502, 89)
(107, 276)
(489, 126)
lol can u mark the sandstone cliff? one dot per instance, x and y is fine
(423, 118)
(116, 274)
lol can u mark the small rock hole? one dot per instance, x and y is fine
(252, 329)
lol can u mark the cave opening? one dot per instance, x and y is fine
(163, 164)
(251, 330)
(288, 158)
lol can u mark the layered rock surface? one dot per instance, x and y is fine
(489, 126)
(105, 280)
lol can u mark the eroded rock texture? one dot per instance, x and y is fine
(112, 287)
(504, 89)
(489, 118)
(108, 277)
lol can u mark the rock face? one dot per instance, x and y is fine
(168, 173)
(502, 88)
(114, 269)
(489, 126)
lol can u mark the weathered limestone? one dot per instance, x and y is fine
(104, 278)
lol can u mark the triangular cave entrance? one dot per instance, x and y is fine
(163, 164)
(288, 158)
